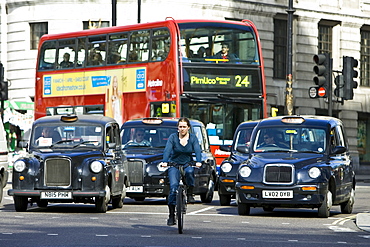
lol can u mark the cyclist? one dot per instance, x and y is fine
(179, 149)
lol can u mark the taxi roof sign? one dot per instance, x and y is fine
(292, 120)
(152, 121)
(69, 118)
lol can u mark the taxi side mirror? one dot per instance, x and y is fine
(339, 150)
(225, 148)
(23, 144)
(242, 149)
(111, 145)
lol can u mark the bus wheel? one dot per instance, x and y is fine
(20, 203)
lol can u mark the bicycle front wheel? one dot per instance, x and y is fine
(180, 206)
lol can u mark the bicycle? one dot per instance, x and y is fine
(181, 198)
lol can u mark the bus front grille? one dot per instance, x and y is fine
(57, 172)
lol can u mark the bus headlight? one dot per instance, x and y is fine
(245, 171)
(96, 166)
(314, 172)
(226, 167)
(19, 166)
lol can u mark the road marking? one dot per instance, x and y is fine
(53, 234)
(341, 221)
(200, 211)
(340, 229)
(97, 235)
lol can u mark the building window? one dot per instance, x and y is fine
(37, 29)
(280, 48)
(365, 58)
(325, 38)
(94, 24)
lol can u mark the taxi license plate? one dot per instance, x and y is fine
(135, 189)
(56, 195)
(277, 194)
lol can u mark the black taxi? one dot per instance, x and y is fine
(229, 166)
(72, 159)
(297, 161)
(144, 141)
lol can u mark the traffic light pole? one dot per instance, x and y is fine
(330, 88)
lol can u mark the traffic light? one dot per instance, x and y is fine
(322, 70)
(339, 90)
(349, 63)
(3, 84)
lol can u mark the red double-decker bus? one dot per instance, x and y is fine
(170, 68)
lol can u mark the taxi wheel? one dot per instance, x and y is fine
(225, 200)
(101, 202)
(208, 196)
(100, 205)
(117, 201)
(347, 207)
(243, 209)
(324, 209)
(20, 203)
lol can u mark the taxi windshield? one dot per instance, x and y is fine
(299, 139)
(148, 136)
(71, 136)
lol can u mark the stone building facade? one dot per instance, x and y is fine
(340, 27)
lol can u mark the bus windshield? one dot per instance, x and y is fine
(211, 43)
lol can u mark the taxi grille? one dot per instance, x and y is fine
(135, 171)
(279, 174)
(57, 172)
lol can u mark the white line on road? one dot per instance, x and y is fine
(200, 211)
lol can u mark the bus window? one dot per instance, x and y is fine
(96, 50)
(139, 46)
(47, 55)
(117, 48)
(204, 44)
(66, 53)
(160, 44)
(81, 52)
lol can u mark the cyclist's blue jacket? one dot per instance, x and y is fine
(175, 152)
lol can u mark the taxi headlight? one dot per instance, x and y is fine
(19, 166)
(245, 171)
(161, 168)
(226, 167)
(314, 172)
(96, 166)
